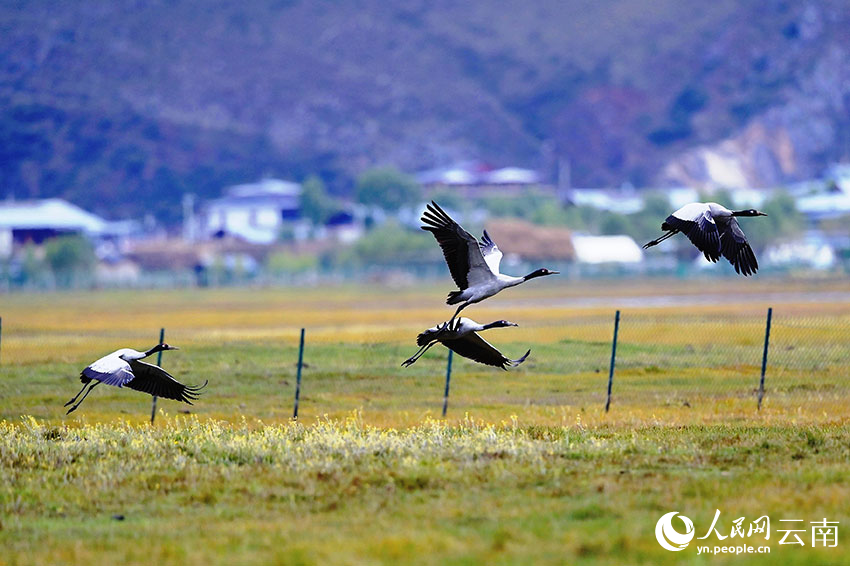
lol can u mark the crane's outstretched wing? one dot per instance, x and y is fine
(701, 231)
(736, 249)
(491, 252)
(156, 381)
(461, 250)
(110, 370)
(476, 348)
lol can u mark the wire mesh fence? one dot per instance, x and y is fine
(809, 363)
(663, 361)
(669, 363)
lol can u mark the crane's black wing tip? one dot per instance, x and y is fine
(524, 357)
(434, 210)
(514, 363)
(192, 392)
(745, 261)
(197, 388)
(434, 224)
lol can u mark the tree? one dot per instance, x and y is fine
(657, 205)
(285, 263)
(388, 188)
(315, 203)
(163, 193)
(69, 257)
(614, 224)
(783, 221)
(646, 224)
(524, 207)
(32, 271)
(391, 243)
(449, 199)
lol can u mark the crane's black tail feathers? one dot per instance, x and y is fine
(454, 298)
(431, 334)
(426, 337)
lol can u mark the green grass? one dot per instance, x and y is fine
(206, 492)
(528, 468)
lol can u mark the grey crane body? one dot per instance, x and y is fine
(713, 229)
(124, 368)
(474, 265)
(461, 336)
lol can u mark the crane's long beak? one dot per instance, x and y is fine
(172, 348)
(762, 214)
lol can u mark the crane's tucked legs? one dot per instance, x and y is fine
(77, 395)
(457, 312)
(661, 239)
(74, 408)
(412, 359)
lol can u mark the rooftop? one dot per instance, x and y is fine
(54, 213)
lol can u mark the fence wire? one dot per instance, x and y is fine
(665, 362)
(669, 363)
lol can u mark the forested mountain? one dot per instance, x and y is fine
(121, 106)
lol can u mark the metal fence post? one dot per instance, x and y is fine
(613, 359)
(159, 363)
(1, 326)
(448, 379)
(764, 356)
(298, 375)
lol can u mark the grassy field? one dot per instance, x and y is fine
(528, 468)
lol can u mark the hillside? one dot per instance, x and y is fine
(122, 106)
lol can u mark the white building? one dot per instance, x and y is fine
(625, 200)
(38, 220)
(810, 250)
(473, 178)
(606, 249)
(254, 212)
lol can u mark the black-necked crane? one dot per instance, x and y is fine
(714, 230)
(124, 368)
(461, 336)
(474, 265)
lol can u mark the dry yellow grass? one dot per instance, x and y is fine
(528, 468)
(356, 337)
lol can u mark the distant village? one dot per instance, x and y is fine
(258, 231)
